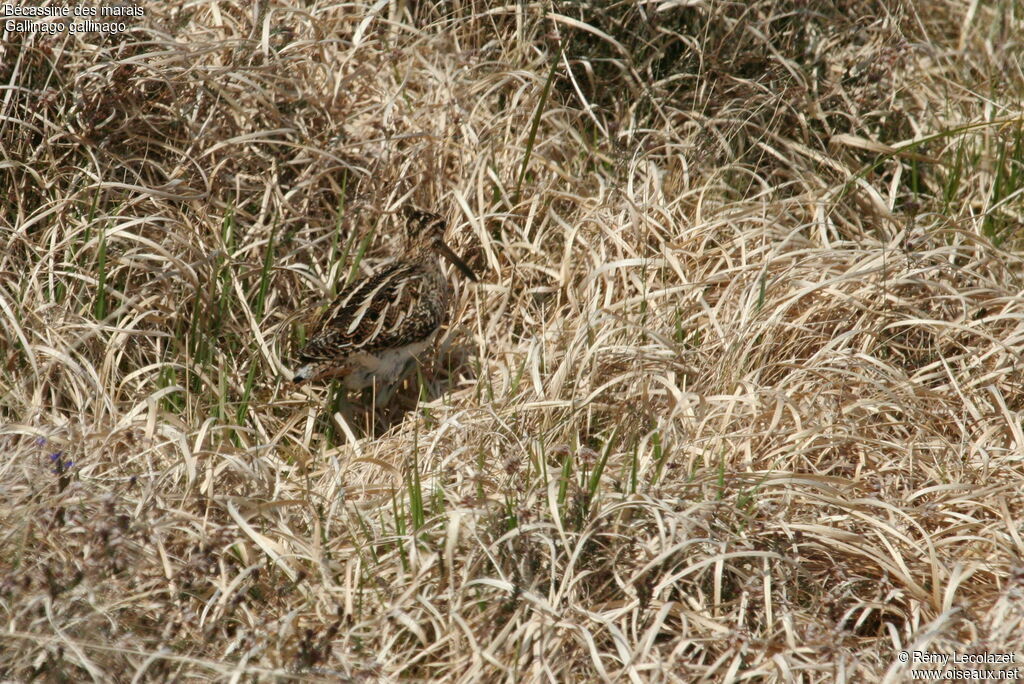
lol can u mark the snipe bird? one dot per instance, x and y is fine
(379, 322)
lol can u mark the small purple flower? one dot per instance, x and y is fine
(40, 441)
(60, 466)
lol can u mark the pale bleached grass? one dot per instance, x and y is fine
(738, 396)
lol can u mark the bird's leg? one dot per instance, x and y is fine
(383, 393)
(339, 403)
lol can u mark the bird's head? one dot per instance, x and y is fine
(425, 230)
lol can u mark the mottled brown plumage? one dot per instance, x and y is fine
(377, 323)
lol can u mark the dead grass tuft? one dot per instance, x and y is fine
(740, 394)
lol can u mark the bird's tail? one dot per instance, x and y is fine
(304, 373)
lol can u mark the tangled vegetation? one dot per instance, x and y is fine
(739, 394)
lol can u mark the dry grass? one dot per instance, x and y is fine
(740, 395)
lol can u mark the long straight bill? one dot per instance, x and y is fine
(459, 263)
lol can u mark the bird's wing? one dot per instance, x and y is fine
(384, 310)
